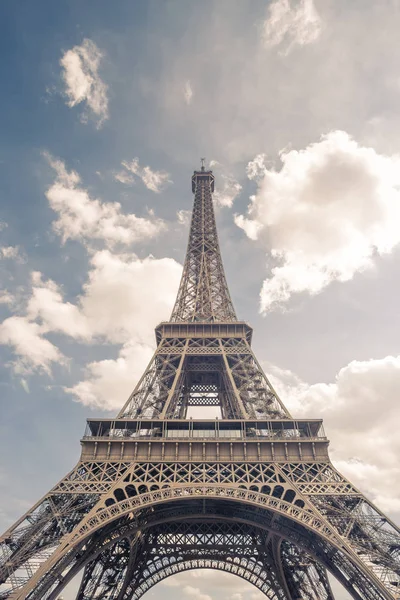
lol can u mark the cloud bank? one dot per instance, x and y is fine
(360, 411)
(120, 305)
(323, 216)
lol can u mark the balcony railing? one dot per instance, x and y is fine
(135, 430)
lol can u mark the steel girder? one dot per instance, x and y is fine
(168, 386)
(237, 548)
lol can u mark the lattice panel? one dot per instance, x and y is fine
(244, 388)
(203, 292)
(34, 539)
(235, 548)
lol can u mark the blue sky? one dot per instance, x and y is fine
(105, 110)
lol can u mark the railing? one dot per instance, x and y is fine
(128, 431)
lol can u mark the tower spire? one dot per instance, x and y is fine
(203, 294)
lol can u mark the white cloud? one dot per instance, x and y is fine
(226, 187)
(324, 215)
(47, 306)
(256, 168)
(12, 252)
(6, 297)
(124, 177)
(229, 191)
(82, 217)
(360, 411)
(34, 352)
(188, 92)
(82, 80)
(153, 180)
(122, 296)
(108, 383)
(183, 216)
(120, 300)
(250, 227)
(291, 22)
(25, 385)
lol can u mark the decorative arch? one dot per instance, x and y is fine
(233, 546)
(130, 508)
(249, 573)
(306, 516)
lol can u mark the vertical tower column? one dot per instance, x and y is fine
(203, 292)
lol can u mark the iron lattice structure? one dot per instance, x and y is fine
(156, 493)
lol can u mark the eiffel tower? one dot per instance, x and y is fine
(157, 492)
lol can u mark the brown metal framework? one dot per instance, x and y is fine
(156, 492)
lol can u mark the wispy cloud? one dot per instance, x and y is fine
(85, 218)
(291, 22)
(124, 177)
(227, 188)
(188, 92)
(153, 180)
(11, 253)
(80, 72)
(226, 194)
(183, 216)
(25, 385)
